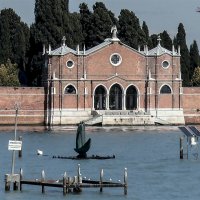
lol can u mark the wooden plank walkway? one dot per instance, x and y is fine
(68, 184)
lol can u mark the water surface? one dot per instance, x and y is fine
(151, 155)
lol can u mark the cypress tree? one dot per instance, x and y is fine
(50, 19)
(101, 22)
(154, 40)
(130, 31)
(166, 41)
(14, 39)
(85, 19)
(194, 57)
(185, 57)
(148, 40)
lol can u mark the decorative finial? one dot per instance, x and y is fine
(159, 39)
(63, 40)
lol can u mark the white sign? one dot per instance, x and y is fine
(15, 145)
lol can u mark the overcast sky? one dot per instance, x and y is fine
(159, 15)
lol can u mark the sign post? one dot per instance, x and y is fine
(13, 155)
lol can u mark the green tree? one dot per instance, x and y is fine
(130, 31)
(148, 40)
(52, 22)
(14, 36)
(154, 39)
(166, 41)
(194, 57)
(9, 74)
(196, 77)
(86, 22)
(180, 40)
(101, 22)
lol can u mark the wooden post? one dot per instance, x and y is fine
(181, 147)
(20, 151)
(15, 185)
(68, 185)
(65, 183)
(125, 181)
(187, 146)
(79, 174)
(20, 179)
(101, 180)
(7, 183)
(42, 180)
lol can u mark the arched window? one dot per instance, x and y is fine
(100, 98)
(70, 89)
(165, 90)
(115, 97)
(131, 98)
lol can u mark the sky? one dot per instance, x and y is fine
(159, 15)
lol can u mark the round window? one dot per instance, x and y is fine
(115, 59)
(165, 64)
(70, 63)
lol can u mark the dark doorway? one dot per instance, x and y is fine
(115, 98)
(100, 98)
(131, 98)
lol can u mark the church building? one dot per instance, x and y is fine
(114, 84)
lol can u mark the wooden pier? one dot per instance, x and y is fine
(68, 184)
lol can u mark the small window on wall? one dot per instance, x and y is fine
(165, 64)
(165, 90)
(115, 59)
(70, 89)
(70, 64)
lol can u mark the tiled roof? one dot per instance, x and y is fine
(159, 50)
(62, 51)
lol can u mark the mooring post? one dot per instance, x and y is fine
(7, 183)
(20, 151)
(187, 146)
(181, 147)
(79, 174)
(65, 183)
(20, 179)
(68, 184)
(15, 185)
(101, 180)
(125, 181)
(42, 180)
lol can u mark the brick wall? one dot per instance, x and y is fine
(31, 102)
(191, 104)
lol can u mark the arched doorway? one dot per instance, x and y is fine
(131, 98)
(100, 98)
(115, 97)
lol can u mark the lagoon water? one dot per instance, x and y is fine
(151, 155)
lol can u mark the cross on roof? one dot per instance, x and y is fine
(159, 39)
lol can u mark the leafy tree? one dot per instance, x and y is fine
(130, 31)
(194, 57)
(180, 40)
(196, 77)
(9, 74)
